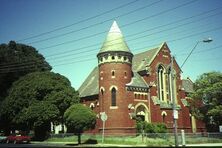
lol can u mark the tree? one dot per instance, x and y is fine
(208, 89)
(79, 118)
(37, 99)
(17, 60)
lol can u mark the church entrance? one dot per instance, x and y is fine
(142, 112)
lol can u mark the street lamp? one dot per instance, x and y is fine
(175, 112)
(208, 40)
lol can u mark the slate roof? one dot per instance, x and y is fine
(114, 40)
(187, 84)
(137, 81)
(141, 60)
(91, 85)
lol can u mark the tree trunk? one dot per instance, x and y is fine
(63, 131)
(79, 138)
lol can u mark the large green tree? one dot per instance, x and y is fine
(37, 99)
(79, 118)
(208, 89)
(17, 60)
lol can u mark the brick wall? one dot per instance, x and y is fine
(118, 116)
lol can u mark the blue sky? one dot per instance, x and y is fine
(79, 27)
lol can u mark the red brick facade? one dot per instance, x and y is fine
(133, 99)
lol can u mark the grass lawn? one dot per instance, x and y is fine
(123, 140)
(132, 140)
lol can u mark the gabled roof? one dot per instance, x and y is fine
(144, 59)
(187, 84)
(114, 40)
(90, 86)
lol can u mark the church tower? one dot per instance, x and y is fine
(115, 71)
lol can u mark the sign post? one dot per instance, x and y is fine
(220, 128)
(103, 118)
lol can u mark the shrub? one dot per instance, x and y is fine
(153, 128)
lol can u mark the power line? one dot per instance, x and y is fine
(99, 33)
(156, 27)
(133, 39)
(14, 69)
(141, 32)
(31, 62)
(70, 32)
(95, 49)
(81, 21)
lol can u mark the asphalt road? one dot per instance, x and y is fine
(61, 145)
(5, 145)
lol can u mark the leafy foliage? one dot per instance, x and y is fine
(17, 60)
(143, 126)
(208, 89)
(38, 98)
(79, 118)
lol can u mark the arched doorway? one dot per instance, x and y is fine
(142, 112)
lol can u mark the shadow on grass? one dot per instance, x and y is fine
(91, 141)
(88, 141)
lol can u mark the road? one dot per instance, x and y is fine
(5, 145)
(59, 145)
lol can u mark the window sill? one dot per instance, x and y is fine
(113, 107)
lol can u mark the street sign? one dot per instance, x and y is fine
(175, 114)
(103, 116)
(220, 128)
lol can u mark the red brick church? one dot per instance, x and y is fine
(124, 85)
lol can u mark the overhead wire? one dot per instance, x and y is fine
(122, 26)
(95, 49)
(153, 28)
(135, 49)
(21, 64)
(96, 24)
(78, 22)
(146, 6)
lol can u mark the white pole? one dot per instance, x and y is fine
(183, 138)
(175, 112)
(103, 131)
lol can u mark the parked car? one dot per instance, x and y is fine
(2, 138)
(18, 139)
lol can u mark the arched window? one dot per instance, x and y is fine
(102, 91)
(92, 105)
(172, 85)
(169, 84)
(161, 81)
(113, 97)
(113, 74)
(164, 114)
(164, 117)
(125, 74)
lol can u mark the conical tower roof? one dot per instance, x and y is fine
(114, 40)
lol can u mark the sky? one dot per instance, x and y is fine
(70, 33)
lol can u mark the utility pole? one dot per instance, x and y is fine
(172, 96)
